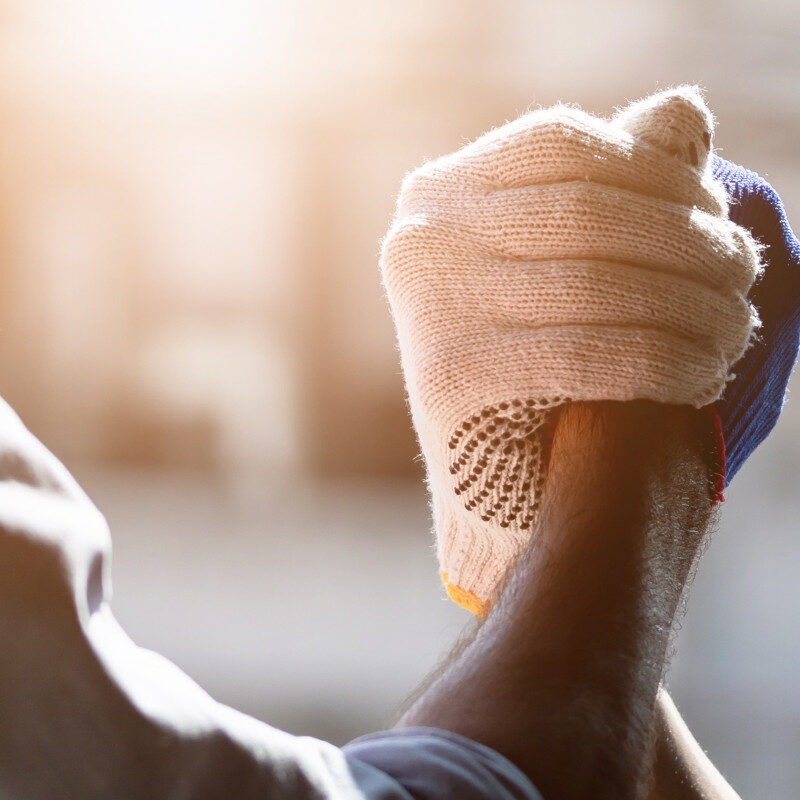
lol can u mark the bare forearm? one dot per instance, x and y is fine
(562, 678)
(682, 771)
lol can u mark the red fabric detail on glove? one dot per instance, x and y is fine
(716, 454)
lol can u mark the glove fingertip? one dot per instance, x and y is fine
(677, 121)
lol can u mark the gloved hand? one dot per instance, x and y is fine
(560, 257)
(753, 400)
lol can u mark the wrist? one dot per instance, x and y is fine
(634, 444)
(617, 468)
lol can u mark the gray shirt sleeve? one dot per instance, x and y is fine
(433, 764)
(86, 714)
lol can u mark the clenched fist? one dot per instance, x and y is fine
(560, 257)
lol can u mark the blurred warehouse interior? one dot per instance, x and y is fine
(191, 206)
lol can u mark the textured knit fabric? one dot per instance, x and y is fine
(560, 257)
(753, 400)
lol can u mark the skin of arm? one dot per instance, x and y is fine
(682, 771)
(563, 676)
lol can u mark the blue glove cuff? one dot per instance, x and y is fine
(754, 399)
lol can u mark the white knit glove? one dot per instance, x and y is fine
(559, 257)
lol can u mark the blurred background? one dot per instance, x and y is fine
(192, 196)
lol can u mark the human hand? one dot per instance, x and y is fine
(560, 257)
(753, 400)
